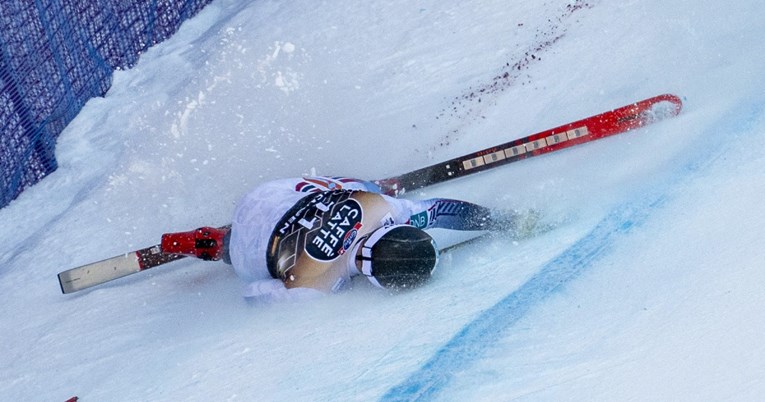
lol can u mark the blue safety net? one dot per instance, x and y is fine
(57, 54)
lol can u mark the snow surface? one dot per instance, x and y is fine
(652, 289)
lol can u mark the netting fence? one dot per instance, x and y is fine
(57, 54)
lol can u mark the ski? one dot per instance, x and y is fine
(592, 128)
(107, 270)
(113, 268)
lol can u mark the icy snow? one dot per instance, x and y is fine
(650, 289)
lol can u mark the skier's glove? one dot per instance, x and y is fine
(519, 224)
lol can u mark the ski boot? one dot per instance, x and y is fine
(207, 243)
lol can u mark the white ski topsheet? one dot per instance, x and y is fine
(662, 304)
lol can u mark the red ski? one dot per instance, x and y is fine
(603, 125)
(606, 124)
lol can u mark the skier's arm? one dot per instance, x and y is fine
(273, 290)
(452, 214)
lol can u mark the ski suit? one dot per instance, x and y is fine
(289, 237)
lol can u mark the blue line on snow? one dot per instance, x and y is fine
(470, 343)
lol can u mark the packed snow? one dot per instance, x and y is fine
(649, 288)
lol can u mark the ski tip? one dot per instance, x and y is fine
(657, 108)
(675, 100)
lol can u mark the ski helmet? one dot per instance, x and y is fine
(397, 257)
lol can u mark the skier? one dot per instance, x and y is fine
(293, 239)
